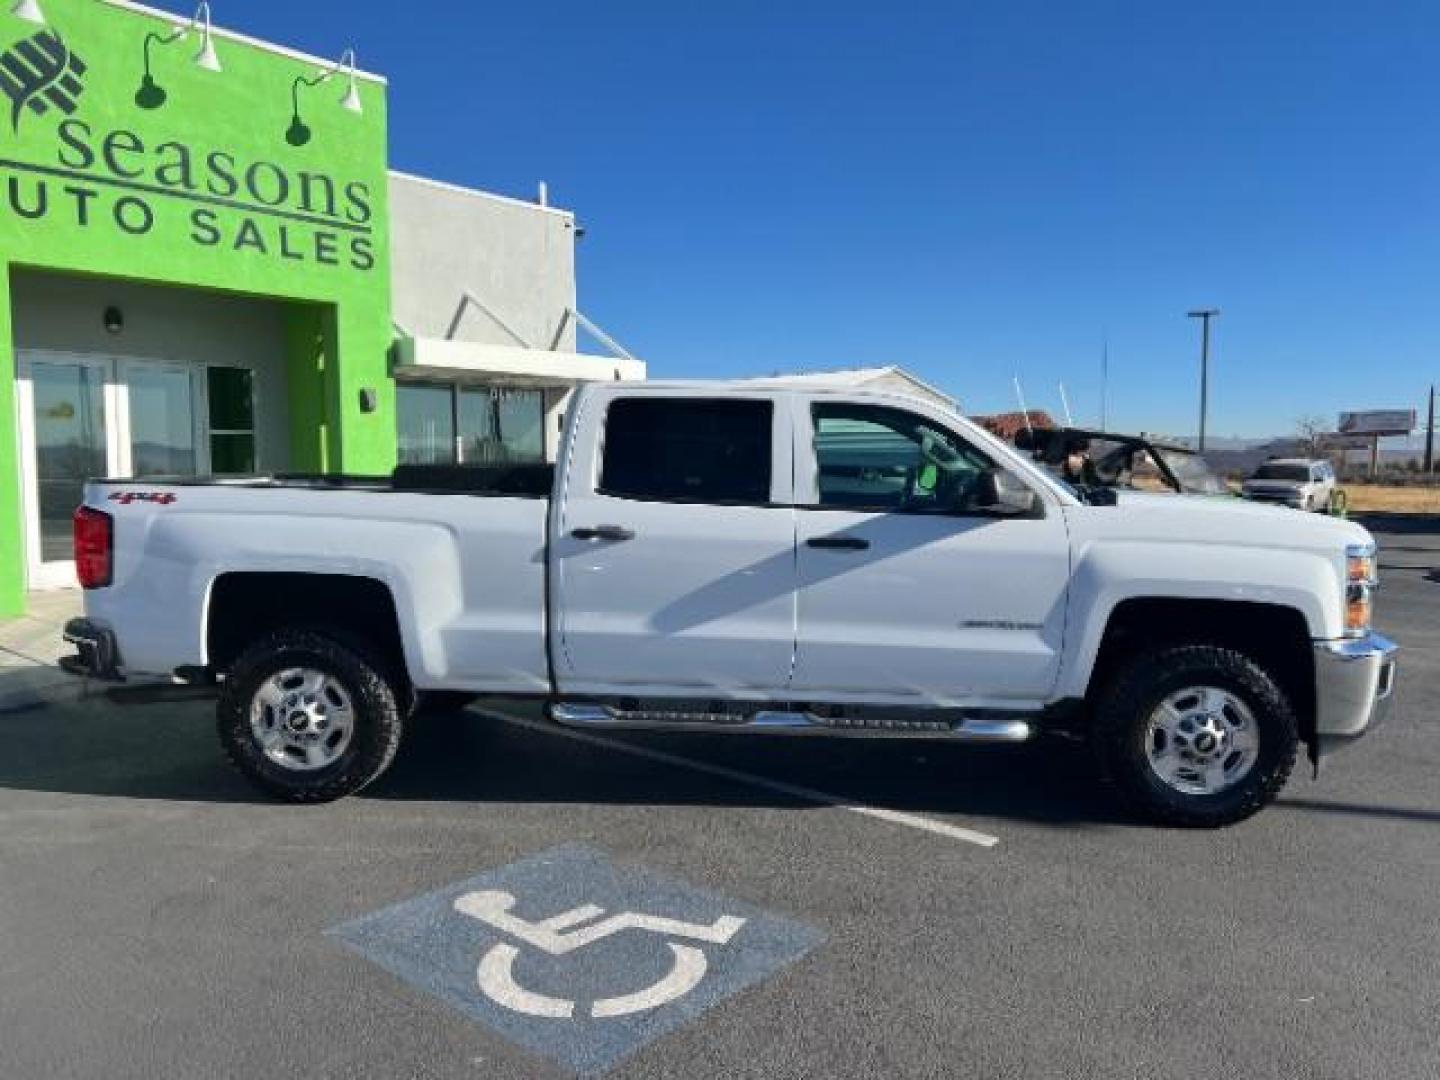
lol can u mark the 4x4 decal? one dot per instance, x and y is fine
(125, 498)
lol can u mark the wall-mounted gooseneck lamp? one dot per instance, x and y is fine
(29, 10)
(151, 94)
(299, 132)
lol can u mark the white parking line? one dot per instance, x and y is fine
(894, 817)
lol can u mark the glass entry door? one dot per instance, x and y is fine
(89, 416)
(67, 436)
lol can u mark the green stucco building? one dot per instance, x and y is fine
(200, 273)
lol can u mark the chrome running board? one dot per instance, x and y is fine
(783, 722)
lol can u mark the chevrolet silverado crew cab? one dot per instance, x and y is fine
(750, 558)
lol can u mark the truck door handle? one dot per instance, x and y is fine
(604, 532)
(839, 543)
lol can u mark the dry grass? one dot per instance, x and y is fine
(1379, 498)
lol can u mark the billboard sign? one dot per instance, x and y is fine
(1378, 422)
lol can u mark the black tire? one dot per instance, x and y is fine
(441, 702)
(378, 723)
(1137, 689)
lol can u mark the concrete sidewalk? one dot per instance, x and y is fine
(30, 646)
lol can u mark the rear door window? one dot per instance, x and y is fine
(695, 450)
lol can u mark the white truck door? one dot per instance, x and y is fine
(907, 592)
(673, 555)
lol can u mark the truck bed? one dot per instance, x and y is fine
(466, 572)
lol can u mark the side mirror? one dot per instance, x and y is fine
(1000, 492)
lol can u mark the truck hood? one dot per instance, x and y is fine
(1210, 519)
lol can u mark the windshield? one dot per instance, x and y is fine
(1192, 471)
(1299, 473)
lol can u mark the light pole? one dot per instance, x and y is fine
(1430, 434)
(1204, 315)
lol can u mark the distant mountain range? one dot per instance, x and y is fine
(1235, 454)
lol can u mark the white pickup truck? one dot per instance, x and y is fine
(750, 558)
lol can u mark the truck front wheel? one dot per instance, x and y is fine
(1195, 735)
(307, 718)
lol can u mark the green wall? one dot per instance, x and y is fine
(12, 528)
(204, 190)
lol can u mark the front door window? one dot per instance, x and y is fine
(878, 458)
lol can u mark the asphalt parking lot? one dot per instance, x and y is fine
(949, 912)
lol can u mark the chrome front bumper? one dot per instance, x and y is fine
(1354, 687)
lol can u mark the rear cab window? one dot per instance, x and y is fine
(688, 450)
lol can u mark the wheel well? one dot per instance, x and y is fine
(245, 606)
(1274, 636)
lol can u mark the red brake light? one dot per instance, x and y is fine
(94, 541)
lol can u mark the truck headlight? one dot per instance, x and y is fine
(1360, 566)
(1360, 580)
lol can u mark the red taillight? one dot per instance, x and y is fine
(94, 540)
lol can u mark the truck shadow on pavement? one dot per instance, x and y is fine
(92, 747)
(169, 751)
(475, 757)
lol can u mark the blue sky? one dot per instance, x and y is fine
(970, 190)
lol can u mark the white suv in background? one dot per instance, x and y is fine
(1295, 482)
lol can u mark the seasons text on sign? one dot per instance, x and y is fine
(287, 213)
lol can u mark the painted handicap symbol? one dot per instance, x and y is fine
(554, 982)
(574, 929)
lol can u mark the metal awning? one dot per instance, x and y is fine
(439, 358)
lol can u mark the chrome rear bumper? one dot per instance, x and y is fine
(1354, 687)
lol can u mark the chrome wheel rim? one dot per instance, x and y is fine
(302, 718)
(1202, 740)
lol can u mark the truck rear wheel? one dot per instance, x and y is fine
(1195, 735)
(308, 718)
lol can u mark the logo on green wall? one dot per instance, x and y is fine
(41, 73)
(115, 178)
